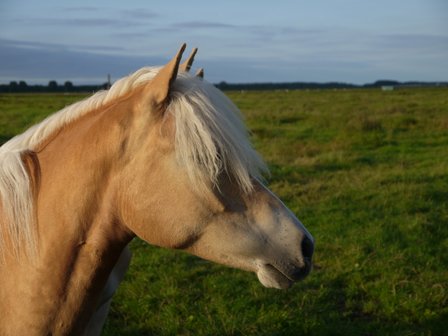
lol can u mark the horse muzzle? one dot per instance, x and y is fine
(282, 273)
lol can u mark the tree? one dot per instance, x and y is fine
(68, 86)
(223, 85)
(52, 85)
(23, 86)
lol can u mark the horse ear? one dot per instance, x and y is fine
(187, 64)
(158, 88)
(200, 73)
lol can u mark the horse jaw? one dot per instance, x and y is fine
(270, 277)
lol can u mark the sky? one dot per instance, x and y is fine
(354, 41)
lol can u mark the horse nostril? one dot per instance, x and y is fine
(301, 272)
(307, 248)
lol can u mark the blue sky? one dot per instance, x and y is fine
(239, 41)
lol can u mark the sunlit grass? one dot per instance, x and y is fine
(366, 171)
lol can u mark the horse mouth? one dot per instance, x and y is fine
(273, 277)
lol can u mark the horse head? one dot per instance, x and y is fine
(190, 180)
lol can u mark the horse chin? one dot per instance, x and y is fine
(271, 277)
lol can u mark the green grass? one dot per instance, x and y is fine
(366, 171)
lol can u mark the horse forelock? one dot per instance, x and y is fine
(210, 138)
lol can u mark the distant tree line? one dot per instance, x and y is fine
(52, 86)
(68, 86)
(329, 85)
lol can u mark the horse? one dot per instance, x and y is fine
(162, 155)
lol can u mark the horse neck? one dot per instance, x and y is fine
(80, 237)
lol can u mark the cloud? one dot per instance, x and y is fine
(123, 18)
(132, 35)
(414, 41)
(35, 62)
(139, 13)
(135, 13)
(80, 22)
(202, 25)
(81, 9)
(56, 46)
(254, 29)
(41, 62)
(27, 44)
(287, 55)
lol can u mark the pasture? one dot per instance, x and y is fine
(366, 171)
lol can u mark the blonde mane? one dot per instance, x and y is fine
(210, 138)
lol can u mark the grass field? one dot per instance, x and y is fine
(366, 171)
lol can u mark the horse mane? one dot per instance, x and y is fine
(210, 138)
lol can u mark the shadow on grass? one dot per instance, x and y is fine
(4, 138)
(114, 330)
(339, 323)
(344, 315)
